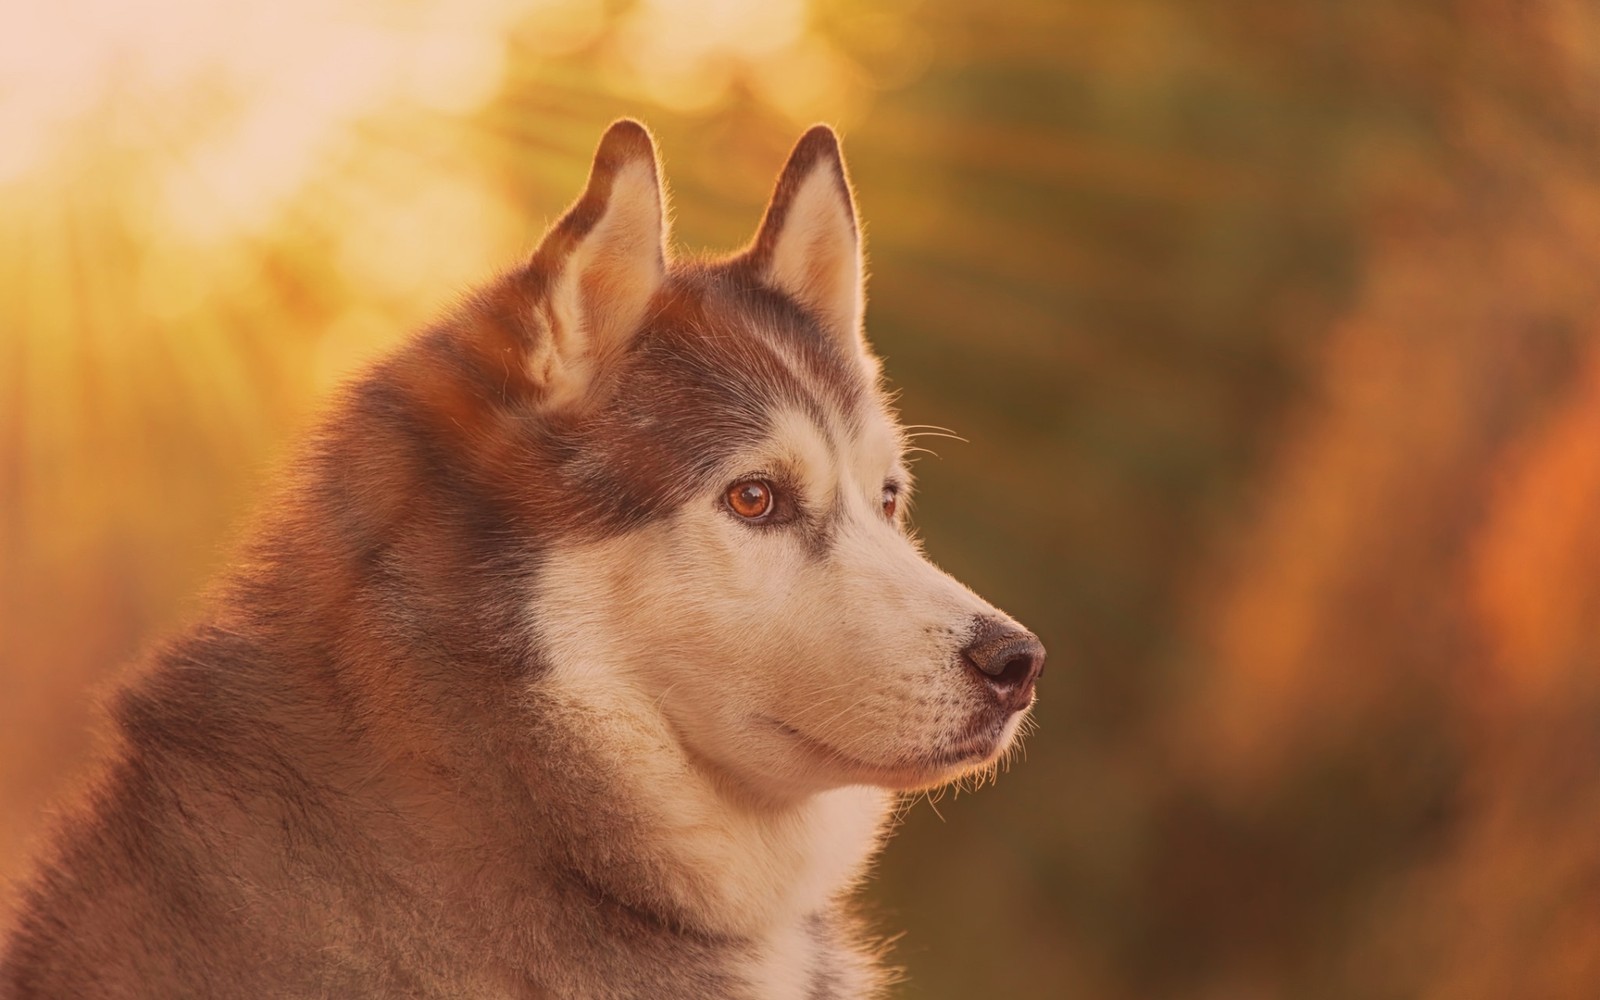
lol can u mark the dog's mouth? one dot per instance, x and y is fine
(974, 746)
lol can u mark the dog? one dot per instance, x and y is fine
(583, 655)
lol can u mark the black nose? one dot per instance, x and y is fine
(1007, 659)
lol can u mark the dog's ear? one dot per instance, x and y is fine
(598, 268)
(809, 244)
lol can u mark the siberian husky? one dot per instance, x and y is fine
(583, 656)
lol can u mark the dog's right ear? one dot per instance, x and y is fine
(598, 268)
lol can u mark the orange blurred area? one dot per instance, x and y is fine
(1272, 330)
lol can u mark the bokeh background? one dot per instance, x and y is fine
(1271, 328)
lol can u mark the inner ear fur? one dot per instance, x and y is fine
(808, 246)
(598, 268)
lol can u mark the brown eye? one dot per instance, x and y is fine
(751, 499)
(891, 501)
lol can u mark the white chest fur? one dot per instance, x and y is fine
(788, 961)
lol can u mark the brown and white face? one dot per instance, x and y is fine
(771, 605)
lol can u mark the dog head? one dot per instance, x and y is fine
(722, 489)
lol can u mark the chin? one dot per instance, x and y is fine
(949, 760)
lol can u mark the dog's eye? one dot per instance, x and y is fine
(751, 499)
(891, 501)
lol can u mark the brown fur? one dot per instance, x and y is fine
(338, 783)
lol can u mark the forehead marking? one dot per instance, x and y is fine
(812, 448)
(862, 444)
(807, 398)
(804, 380)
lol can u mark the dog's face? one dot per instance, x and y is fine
(755, 580)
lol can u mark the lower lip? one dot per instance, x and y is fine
(913, 771)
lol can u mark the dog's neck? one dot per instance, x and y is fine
(670, 836)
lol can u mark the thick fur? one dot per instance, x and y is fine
(502, 700)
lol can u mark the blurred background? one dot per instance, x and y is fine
(1271, 328)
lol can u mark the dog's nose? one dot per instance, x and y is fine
(1007, 659)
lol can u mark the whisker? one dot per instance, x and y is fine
(935, 434)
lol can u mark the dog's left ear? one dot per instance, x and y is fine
(809, 243)
(598, 268)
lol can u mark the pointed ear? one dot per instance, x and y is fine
(598, 268)
(809, 245)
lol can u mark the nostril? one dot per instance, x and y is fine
(1015, 671)
(1007, 659)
